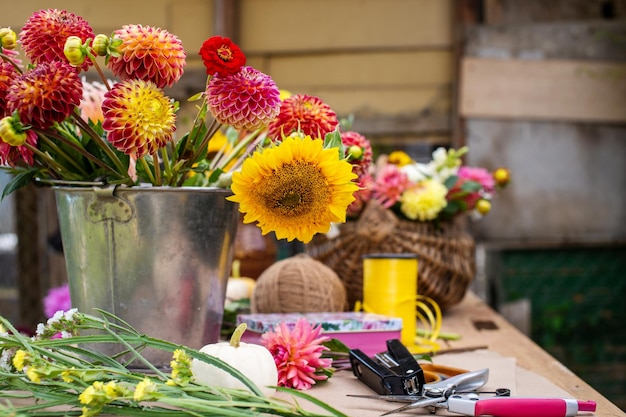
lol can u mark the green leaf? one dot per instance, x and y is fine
(450, 181)
(21, 179)
(471, 186)
(336, 345)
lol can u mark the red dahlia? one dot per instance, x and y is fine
(304, 113)
(221, 56)
(46, 94)
(44, 34)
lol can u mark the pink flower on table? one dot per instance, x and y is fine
(479, 175)
(297, 354)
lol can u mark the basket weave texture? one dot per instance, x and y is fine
(446, 253)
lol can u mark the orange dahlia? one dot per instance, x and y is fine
(304, 113)
(246, 100)
(45, 94)
(149, 54)
(44, 34)
(7, 73)
(138, 117)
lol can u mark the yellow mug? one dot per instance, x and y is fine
(390, 288)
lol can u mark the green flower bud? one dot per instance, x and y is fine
(8, 38)
(100, 45)
(73, 51)
(355, 152)
(11, 133)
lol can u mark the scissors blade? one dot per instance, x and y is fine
(390, 397)
(425, 402)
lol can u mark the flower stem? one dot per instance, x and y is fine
(147, 169)
(100, 142)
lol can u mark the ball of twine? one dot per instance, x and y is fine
(299, 284)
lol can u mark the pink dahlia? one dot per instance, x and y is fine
(246, 100)
(14, 156)
(221, 56)
(390, 183)
(297, 354)
(138, 117)
(7, 74)
(479, 175)
(91, 104)
(307, 114)
(45, 94)
(359, 151)
(149, 54)
(44, 34)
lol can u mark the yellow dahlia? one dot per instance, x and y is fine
(44, 34)
(304, 113)
(138, 117)
(245, 100)
(45, 94)
(296, 188)
(149, 54)
(425, 201)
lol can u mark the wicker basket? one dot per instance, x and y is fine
(446, 254)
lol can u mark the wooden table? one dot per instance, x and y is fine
(480, 325)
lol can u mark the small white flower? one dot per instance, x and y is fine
(56, 318)
(69, 314)
(65, 335)
(40, 329)
(5, 359)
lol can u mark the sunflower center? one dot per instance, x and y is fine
(295, 189)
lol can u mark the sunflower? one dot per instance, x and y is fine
(296, 188)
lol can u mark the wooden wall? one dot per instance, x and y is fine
(390, 64)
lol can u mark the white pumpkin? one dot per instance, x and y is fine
(238, 287)
(254, 361)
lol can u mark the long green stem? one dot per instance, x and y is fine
(83, 152)
(62, 153)
(147, 169)
(157, 168)
(102, 144)
(49, 162)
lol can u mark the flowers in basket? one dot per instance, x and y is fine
(428, 192)
(283, 159)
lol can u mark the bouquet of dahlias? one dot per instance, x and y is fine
(283, 159)
(433, 191)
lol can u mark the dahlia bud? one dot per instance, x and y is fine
(8, 38)
(74, 51)
(483, 206)
(355, 152)
(11, 133)
(100, 45)
(502, 176)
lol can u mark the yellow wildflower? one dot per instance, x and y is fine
(144, 390)
(21, 359)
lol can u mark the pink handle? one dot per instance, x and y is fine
(535, 407)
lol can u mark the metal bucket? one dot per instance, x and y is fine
(157, 257)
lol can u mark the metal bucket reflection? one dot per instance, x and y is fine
(157, 257)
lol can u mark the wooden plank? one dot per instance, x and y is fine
(409, 68)
(544, 89)
(298, 25)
